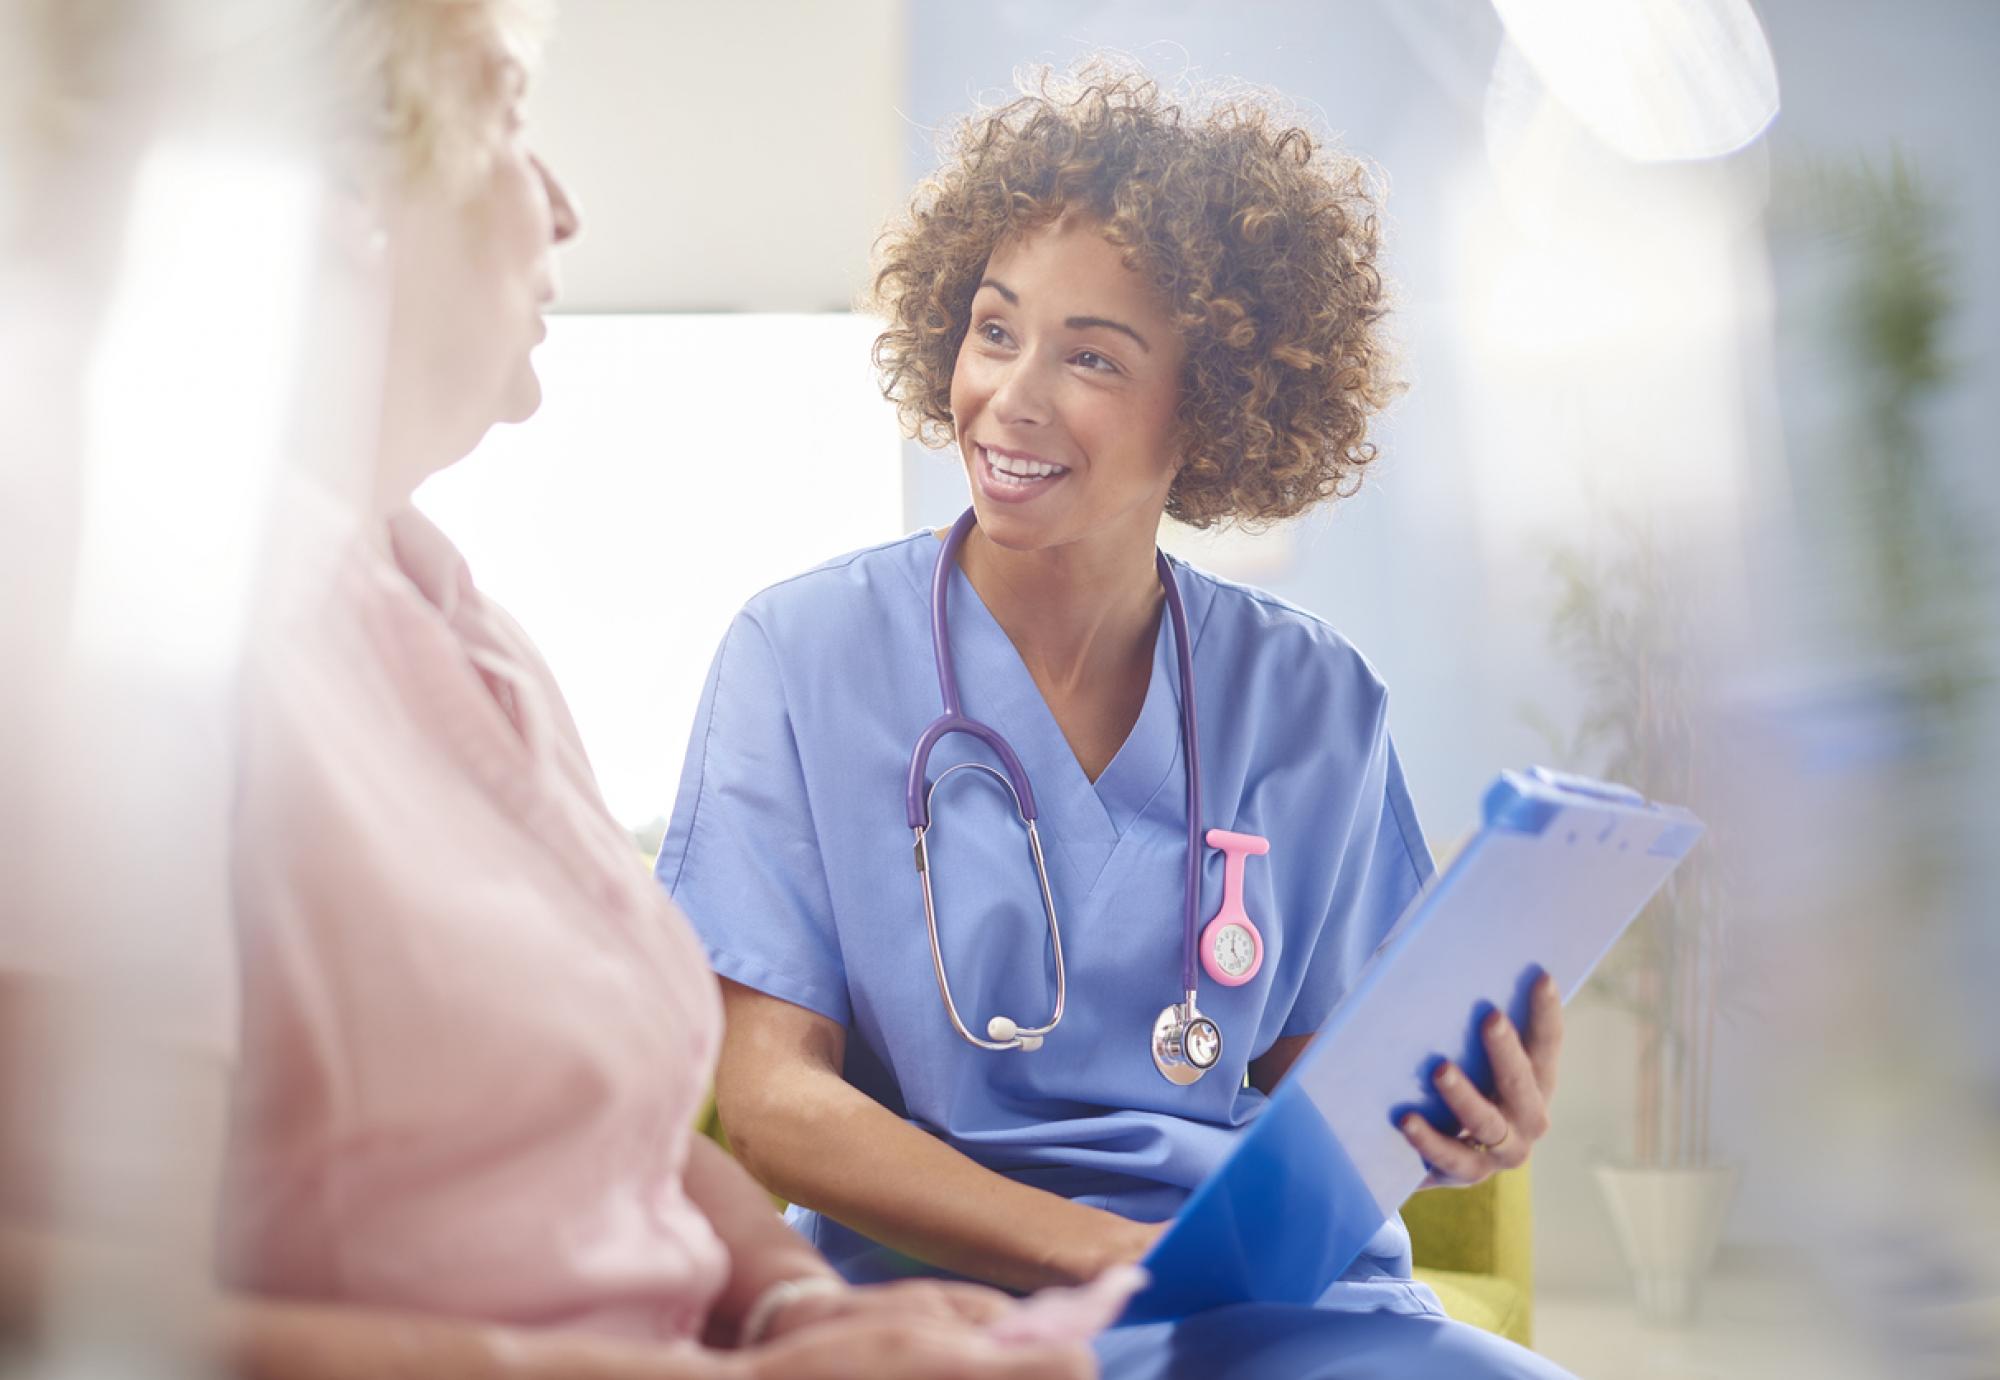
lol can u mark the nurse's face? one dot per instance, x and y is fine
(472, 268)
(1064, 394)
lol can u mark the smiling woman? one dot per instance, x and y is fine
(1116, 305)
(1076, 408)
(1256, 245)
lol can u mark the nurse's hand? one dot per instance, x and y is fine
(1499, 1133)
(1128, 1241)
(920, 1348)
(1101, 1241)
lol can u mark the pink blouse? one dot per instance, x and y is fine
(475, 1034)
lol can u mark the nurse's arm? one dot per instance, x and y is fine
(809, 1135)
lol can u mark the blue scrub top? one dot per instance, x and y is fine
(790, 852)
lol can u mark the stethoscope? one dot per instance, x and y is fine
(1185, 1043)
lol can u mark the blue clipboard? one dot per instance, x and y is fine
(1560, 867)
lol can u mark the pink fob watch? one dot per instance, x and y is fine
(1231, 949)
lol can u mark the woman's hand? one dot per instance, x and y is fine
(1122, 1242)
(946, 1301)
(876, 1346)
(942, 1300)
(1499, 1134)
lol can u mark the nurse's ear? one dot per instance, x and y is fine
(1177, 457)
(1177, 447)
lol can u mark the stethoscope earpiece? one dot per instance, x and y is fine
(1002, 1031)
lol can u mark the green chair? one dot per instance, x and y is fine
(1474, 1246)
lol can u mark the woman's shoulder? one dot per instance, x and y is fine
(1289, 649)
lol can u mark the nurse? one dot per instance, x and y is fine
(1115, 308)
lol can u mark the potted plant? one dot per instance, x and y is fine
(1621, 628)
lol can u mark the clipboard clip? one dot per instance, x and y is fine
(1609, 791)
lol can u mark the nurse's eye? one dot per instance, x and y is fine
(994, 334)
(1095, 362)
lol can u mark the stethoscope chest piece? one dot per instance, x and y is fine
(1186, 1044)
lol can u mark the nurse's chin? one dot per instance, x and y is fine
(1013, 530)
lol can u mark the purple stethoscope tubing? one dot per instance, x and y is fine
(954, 720)
(1190, 745)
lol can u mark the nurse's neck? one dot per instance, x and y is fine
(1083, 616)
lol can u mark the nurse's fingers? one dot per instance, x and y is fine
(1477, 1113)
(1458, 1162)
(1485, 1122)
(1545, 1032)
(1515, 1083)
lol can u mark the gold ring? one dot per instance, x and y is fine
(1481, 1146)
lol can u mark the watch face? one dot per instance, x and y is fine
(1235, 950)
(1202, 1043)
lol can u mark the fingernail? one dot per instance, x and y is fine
(1498, 1025)
(1449, 1075)
(1412, 1121)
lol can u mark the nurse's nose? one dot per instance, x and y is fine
(1022, 395)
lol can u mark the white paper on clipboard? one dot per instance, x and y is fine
(1558, 870)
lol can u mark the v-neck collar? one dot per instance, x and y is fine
(1086, 820)
(1153, 747)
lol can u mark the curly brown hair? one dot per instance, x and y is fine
(1260, 239)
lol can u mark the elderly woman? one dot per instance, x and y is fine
(1116, 309)
(476, 1038)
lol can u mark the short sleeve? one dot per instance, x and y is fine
(741, 855)
(1383, 862)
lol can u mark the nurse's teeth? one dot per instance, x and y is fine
(1022, 469)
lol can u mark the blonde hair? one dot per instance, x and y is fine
(413, 74)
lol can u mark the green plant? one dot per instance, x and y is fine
(1885, 508)
(1629, 640)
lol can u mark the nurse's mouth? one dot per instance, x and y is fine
(1012, 477)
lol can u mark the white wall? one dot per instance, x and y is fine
(678, 465)
(728, 155)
